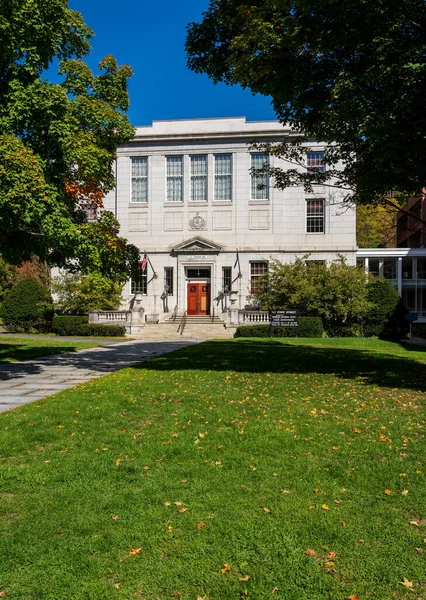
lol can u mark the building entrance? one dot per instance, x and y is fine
(198, 298)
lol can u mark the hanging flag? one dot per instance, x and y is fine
(144, 262)
(237, 260)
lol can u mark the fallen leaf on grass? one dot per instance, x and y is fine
(170, 529)
(419, 549)
(388, 492)
(201, 524)
(324, 507)
(182, 510)
(316, 491)
(275, 589)
(245, 578)
(266, 510)
(114, 517)
(413, 523)
(285, 492)
(310, 552)
(225, 568)
(331, 555)
(404, 493)
(178, 503)
(2, 593)
(118, 461)
(134, 551)
(244, 593)
(353, 597)
(406, 583)
(166, 504)
(117, 586)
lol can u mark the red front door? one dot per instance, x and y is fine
(198, 298)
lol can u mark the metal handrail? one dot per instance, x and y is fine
(182, 323)
(174, 315)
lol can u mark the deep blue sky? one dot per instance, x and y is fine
(150, 36)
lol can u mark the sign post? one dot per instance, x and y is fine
(283, 318)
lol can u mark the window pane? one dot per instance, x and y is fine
(259, 182)
(139, 189)
(168, 280)
(389, 268)
(140, 167)
(315, 162)
(226, 278)
(315, 216)
(174, 166)
(223, 177)
(198, 178)
(139, 286)
(421, 268)
(373, 266)
(407, 268)
(257, 269)
(140, 179)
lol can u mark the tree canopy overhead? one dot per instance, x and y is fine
(57, 140)
(351, 74)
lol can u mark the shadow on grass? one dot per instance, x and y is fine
(100, 360)
(277, 357)
(15, 352)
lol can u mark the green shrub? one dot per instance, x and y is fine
(386, 318)
(347, 331)
(309, 327)
(68, 325)
(78, 326)
(27, 307)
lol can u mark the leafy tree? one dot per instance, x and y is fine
(27, 306)
(336, 292)
(351, 74)
(76, 295)
(376, 226)
(57, 141)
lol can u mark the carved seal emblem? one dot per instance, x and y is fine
(197, 223)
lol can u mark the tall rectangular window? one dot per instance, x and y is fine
(139, 285)
(168, 280)
(174, 179)
(259, 181)
(315, 217)
(257, 270)
(315, 162)
(226, 279)
(223, 177)
(140, 179)
(198, 179)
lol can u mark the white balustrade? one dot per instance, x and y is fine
(253, 317)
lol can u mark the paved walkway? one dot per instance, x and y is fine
(29, 380)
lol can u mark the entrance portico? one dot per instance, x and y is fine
(196, 268)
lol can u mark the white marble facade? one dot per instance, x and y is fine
(185, 197)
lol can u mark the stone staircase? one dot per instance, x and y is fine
(194, 327)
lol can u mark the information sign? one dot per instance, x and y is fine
(412, 316)
(284, 318)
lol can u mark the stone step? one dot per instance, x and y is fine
(191, 331)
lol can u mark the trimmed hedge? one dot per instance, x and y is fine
(27, 307)
(309, 327)
(78, 326)
(68, 325)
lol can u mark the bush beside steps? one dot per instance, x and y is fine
(309, 327)
(78, 326)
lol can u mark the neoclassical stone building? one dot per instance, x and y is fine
(186, 197)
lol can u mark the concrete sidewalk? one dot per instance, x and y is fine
(26, 381)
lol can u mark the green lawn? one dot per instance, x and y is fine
(239, 468)
(13, 349)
